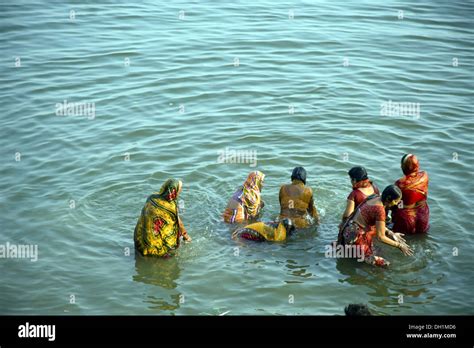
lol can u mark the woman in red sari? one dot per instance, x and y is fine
(367, 223)
(413, 215)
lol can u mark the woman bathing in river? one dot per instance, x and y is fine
(413, 216)
(159, 227)
(266, 231)
(368, 221)
(296, 200)
(246, 203)
(362, 187)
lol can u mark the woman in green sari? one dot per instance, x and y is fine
(159, 228)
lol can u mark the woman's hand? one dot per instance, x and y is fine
(398, 237)
(235, 234)
(406, 249)
(187, 238)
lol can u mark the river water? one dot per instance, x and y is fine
(170, 85)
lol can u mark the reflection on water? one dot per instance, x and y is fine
(297, 270)
(362, 274)
(163, 273)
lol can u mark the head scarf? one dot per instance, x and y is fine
(169, 190)
(251, 193)
(410, 164)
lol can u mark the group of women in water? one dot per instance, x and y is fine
(159, 229)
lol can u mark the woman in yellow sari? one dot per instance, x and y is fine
(266, 231)
(246, 203)
(159, 228)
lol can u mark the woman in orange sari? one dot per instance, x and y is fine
(413, 215)
(246, 203)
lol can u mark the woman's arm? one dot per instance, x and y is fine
(312, 211)
(183, 231)
(350, 205)
(405, 248)
(380, 226)
(397, 237)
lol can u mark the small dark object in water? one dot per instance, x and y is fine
(355, 309)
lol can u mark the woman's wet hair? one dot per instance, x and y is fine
(358, 173)
(404, 157)
(391, 193)
(356, 309)
(299, 173)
